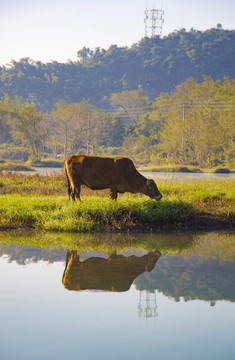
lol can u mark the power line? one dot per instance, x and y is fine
(227, 105)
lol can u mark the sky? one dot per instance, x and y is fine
(54, 30)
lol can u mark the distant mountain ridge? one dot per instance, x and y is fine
(155, 65)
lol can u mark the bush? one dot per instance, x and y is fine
(222, 171)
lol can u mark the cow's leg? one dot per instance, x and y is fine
(113, 192)
(78, 191)
(73, 195)
(69, 189)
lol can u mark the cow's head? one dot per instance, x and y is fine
(153, 191)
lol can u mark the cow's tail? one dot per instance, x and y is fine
(68, 180)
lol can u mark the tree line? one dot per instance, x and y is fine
(154, 64)
(193, 125)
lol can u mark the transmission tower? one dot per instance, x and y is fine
(153, 19)
(147, 306)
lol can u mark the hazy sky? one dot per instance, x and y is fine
(48, 30)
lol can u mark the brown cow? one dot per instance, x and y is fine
(97, 173)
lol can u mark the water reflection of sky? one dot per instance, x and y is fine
(40, 318)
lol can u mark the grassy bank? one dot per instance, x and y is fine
(186, 169)
(30, 165)
(15, 166)
(48, 163)
(41, 202)
(93, 214)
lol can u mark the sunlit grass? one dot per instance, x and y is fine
(93, 213)
(41, 202)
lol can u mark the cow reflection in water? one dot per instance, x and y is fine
(116, 273)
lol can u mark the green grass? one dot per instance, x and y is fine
(92, 214)
(41, 202)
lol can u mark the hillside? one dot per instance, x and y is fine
(154, 64)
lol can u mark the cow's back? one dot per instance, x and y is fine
(106, 167)
(124, 167)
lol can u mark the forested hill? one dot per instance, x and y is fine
(154, 64)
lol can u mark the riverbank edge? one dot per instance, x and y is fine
(202, 222)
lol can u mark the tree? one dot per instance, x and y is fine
(5, 136)
(199, 125)
(26, 126)
(66, 125)
(130, 105)
(225, 98)
(84, 54)
(80, 127)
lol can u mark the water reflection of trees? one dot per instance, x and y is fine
(23, 255)
(191, 279)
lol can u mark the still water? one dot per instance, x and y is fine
(164, 296)
(163, 176)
